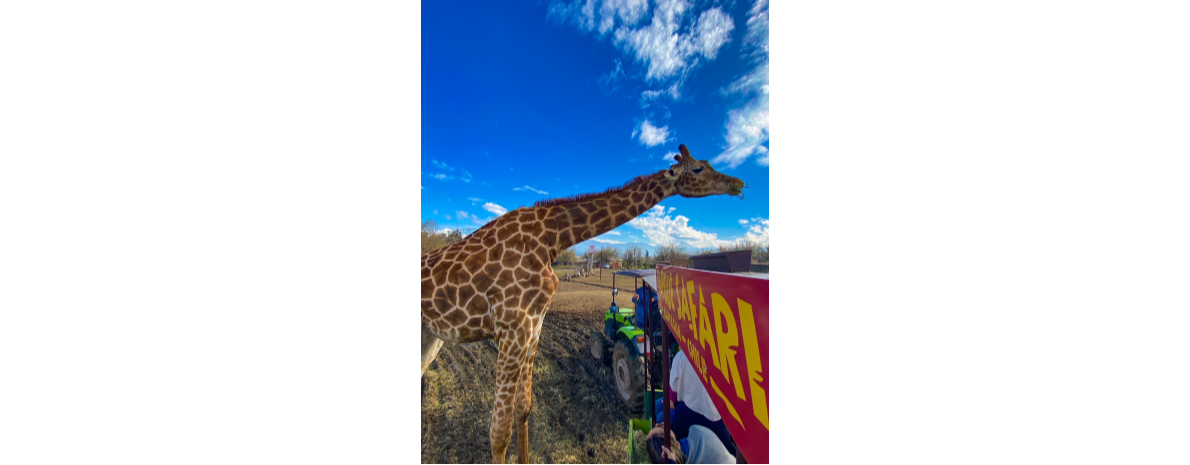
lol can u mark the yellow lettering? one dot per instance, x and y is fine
(689, 306)
(706, 336)
(729, 340)
(730, 408)
(760, 406)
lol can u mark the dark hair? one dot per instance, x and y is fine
(654, 444)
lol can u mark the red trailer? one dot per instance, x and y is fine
(720, 320)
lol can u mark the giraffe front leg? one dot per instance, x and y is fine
(514, 347)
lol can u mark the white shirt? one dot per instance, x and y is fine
(683, 380)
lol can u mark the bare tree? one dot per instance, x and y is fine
(567, 257)
(433, 239)
(605, 255)
(671, 252)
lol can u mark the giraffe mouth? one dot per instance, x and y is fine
(736, 189)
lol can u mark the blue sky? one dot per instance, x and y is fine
(523, 100)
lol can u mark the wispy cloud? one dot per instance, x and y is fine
(585, 17)
(462, 215)
(611, 81)
(495, 209)
(442, 166)
(464, 175)
(747, 134)
(747, 129)
(651, 135)
(613, 233)
(475, 199)
(668, 46)
(650, 97)
(743, 222)
(530, 189)
(664, 49)
(607, 241)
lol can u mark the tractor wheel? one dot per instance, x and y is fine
(598, 346)
(629, 372)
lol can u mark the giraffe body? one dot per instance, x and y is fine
(497, 283)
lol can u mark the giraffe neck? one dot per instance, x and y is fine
(584, 219)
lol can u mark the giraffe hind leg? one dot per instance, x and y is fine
(429, 348)
(525, 403)
(514, 348)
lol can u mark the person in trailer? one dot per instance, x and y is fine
(693, 405)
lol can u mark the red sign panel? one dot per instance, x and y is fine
(721, 321)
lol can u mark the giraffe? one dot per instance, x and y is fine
(497, 283)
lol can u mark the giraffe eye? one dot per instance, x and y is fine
(697, 170)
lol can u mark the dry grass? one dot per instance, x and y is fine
(576, 416)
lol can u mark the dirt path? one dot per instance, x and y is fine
(576, 416)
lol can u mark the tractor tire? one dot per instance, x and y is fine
(629, 374)
(598, 347)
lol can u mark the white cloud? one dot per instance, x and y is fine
(530, 189)
(759, 232)
(671, 210)
(466, 176)
(495, 209)
(651, 135)
(659, 228)
(607, 241)
(628, 11)
(462, 215)
(475, 199)
(743, 222)
(712, 31)
(613, 233)
(665, 50)
(441, 177)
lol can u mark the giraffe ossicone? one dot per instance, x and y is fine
(498, 283)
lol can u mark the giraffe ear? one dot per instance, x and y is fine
(685, 152)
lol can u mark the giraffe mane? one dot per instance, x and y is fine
(594, 195)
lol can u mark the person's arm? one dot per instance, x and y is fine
(675, 376)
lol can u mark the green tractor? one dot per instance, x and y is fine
(624, 344)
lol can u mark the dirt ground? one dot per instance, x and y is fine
(576, 416)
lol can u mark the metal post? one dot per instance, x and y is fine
(648, 345)
(665, 376)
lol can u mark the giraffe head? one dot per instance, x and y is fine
(696, 178)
